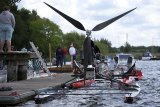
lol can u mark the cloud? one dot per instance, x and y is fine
(142, 25)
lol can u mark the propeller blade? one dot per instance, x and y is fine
(108, 22)
(74, 22)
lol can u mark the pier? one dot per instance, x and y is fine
(18, 87)
(27, 89)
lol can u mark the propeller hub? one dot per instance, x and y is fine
(88, 32)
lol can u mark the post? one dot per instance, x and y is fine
(12, 70)
(22, 70)
(50, 55)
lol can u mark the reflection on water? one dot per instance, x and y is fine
(148, 97)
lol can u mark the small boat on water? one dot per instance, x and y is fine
(123, 62)
(147, 56)
(126, 72)
(124, 59)
(129, 98)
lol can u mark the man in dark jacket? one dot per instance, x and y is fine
(59, 56)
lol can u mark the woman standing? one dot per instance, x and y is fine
(7, 24)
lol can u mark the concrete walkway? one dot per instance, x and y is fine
(26, 89)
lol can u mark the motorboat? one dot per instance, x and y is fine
(124, 59)
(147, 56)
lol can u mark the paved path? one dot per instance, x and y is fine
(35, 83)
(27, 89)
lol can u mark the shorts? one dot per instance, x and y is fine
(6, 32)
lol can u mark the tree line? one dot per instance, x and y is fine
(31, 27)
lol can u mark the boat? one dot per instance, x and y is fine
(147, 56)
(124, 59)
(130, 98)
(124, 66)
(117, 65)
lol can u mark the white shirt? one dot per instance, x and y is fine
(72, 51)
(7, 17)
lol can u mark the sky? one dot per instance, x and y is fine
(139, 28)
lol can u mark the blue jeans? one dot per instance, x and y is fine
(6, 32)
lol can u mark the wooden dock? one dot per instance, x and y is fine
(26, 89)
(63, 69)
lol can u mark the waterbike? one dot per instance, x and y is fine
(87, 77)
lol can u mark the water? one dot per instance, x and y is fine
(148, 97)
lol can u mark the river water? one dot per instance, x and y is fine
(148, 97)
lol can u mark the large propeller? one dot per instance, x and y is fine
(78, 25)
(87, 43)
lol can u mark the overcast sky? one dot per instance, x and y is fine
(142, 25)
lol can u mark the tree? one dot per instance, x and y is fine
(34, 15)
(127, 47)
(11, 3)
(22, 32)
(103, 47)
(75, 38)
(43, 31)
(107, 43)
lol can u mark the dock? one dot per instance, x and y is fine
(25, 90)
(18, 88)
(63, 69)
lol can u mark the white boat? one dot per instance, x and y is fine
(123, 62)
(147, 56)
(134, 93)
(124, 59)
(129, 98)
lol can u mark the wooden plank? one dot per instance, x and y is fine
(62, 69)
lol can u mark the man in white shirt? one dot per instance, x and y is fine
(72, 52)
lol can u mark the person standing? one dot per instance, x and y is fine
(7, 25)
(64, 55)
(72, 52)
(59, 56)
